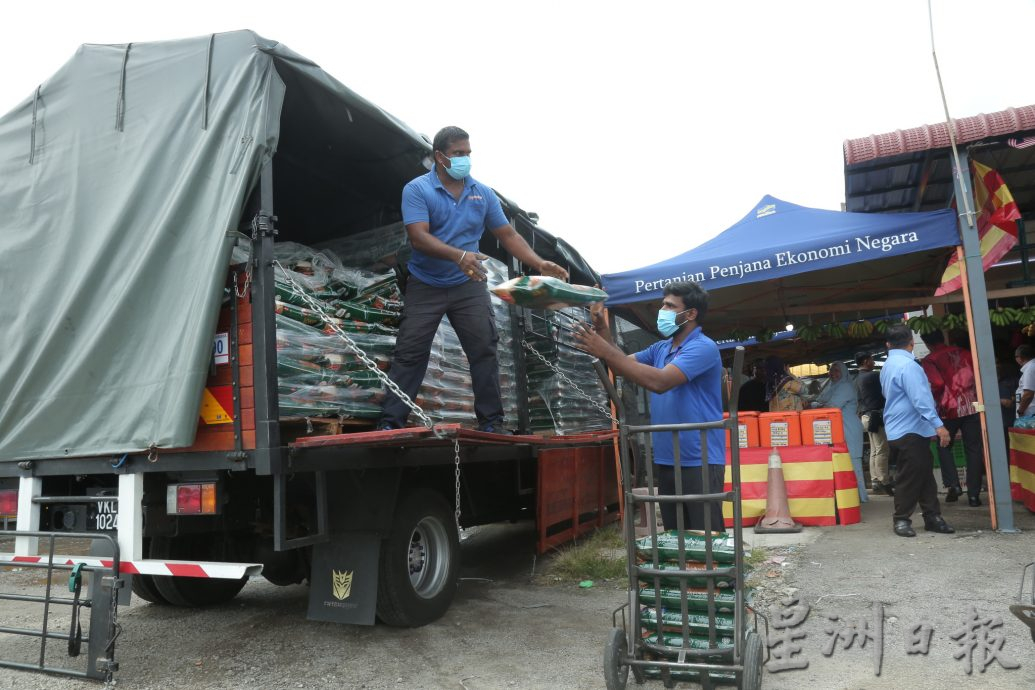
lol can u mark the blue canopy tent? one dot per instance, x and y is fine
(786, 263)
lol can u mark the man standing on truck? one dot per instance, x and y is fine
(684, 375)
(446, 212)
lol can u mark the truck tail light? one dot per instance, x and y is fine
(8, 502)
(191, 499)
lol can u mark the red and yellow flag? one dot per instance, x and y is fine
(996, 223)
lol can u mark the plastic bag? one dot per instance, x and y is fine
(545, 292)
(723, 546)
(696, 599)
(672, 621)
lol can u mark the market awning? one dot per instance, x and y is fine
(787, 263)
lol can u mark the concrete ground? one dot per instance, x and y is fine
(932, 579)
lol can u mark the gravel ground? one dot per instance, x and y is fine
(503, 631)
(932, 579)
(507, 630)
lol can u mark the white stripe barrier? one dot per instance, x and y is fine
(206, 569)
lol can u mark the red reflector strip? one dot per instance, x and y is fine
(186, 569)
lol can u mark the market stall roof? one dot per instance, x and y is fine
(787, 263)
(910, 170)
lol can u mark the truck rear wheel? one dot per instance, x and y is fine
(144, 587)
(191, 592)
(419, 561)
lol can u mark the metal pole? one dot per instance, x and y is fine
(976, 299)
(264, 331)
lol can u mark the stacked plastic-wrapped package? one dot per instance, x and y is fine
(553, 403)
(665, 603)
(319, 377)
(497, 273)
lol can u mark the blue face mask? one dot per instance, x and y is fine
(459, 167)
(667, 321)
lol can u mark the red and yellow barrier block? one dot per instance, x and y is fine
(1022, 467)
(819, 489)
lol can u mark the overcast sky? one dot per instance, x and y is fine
(635, 130)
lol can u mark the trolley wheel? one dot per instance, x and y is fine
(616, 673)
(751, 679)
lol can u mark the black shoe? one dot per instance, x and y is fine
(974, 501)
(904, 528)
(953, 494)
(939, 525)
(493, 429)
(881, 488)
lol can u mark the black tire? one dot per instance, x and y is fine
(144, 587)
(616, 672)
(752, 676)
(419, 561)
(191, 592)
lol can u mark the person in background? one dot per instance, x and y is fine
(683, 372)
(1008, 380)
(840, 393)
(752, 392)
(950, 370)
(871, 415)
(1024, 355)
(910, 420)
(783, 390)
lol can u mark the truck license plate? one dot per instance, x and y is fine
(107, 516)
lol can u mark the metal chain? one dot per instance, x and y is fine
(315, 305)
(456, 461)
(564, 377)
(247, 281)
(388, 383)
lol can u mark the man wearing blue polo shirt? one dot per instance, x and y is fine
(446, 212)
(684, 375)
(910, 420)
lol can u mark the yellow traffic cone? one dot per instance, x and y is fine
(777, 513)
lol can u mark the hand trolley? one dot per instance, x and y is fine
(656, 643)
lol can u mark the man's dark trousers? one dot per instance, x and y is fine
(470, 313)
(914, 480)
(693, 513)
(973, 448)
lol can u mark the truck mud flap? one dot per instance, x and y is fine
(343, 584)
(100, 584)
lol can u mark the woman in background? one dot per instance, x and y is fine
(783, 390)
(840, 393)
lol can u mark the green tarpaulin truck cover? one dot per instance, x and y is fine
(122, 181)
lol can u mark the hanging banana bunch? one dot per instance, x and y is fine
(1026, 316)
(764, 335)
(809, 333)
(860, 329)
(1004, 316)
(924, 324)
(835, 330)
(951, 322)
(881, 327)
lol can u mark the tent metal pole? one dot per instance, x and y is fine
(997, 464)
